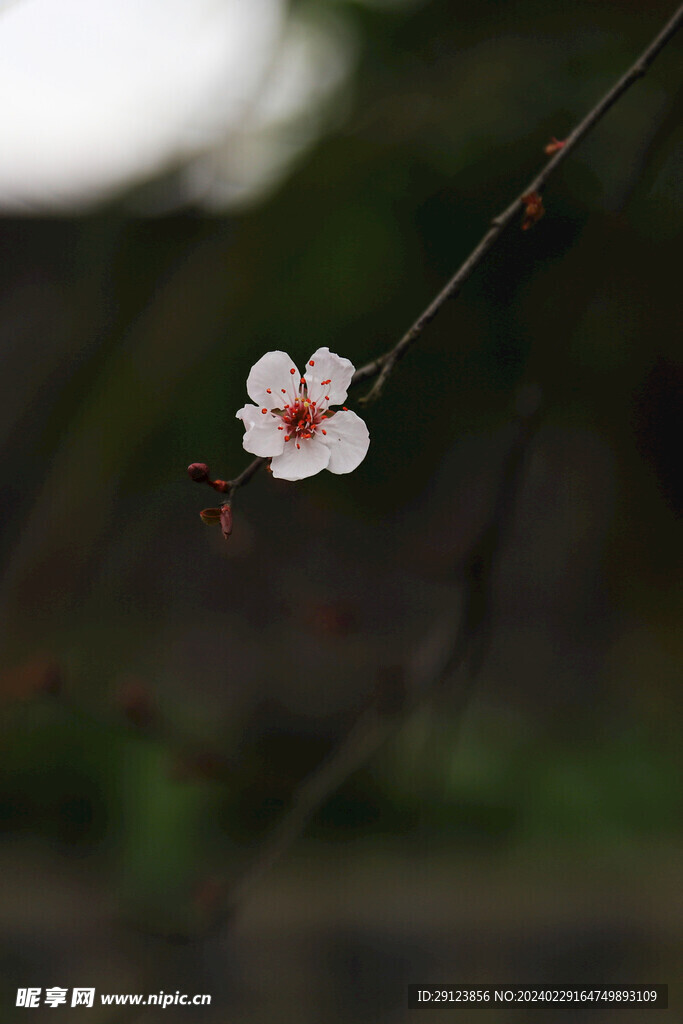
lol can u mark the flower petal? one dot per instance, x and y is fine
(262, 436)
(298, 463)
(348, 440)
(273, 371)
(326, 365)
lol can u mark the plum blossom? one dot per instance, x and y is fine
(293, 423)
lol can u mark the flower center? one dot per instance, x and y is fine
(301, 418)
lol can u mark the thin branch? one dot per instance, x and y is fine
(382, 366)
(387, 362)
(246, 474)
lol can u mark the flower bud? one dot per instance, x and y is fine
(199, 472)
(226, 520)
(554, 145)
(533, 209)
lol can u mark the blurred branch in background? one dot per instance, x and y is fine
(529, 198)
(414, 686)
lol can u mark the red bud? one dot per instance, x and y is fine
(199, 472)
(533, 211)
(226, 520)
(553, 146)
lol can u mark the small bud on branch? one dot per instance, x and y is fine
(199, 472)
(533, 209)
(554, 146)
(222, 515)
(226, 520)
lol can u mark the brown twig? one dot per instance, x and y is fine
(382, 366)
(387, 362)
(246, 474)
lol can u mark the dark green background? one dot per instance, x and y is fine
(535, 838)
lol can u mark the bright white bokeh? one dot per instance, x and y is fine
(99, 96)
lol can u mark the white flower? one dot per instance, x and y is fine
(293, 423)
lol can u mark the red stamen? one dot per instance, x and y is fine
(268, 391)
(283, 390)
(286, 437)
(312, 362)
(298, 445)
(324, 431)
(264, 411)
